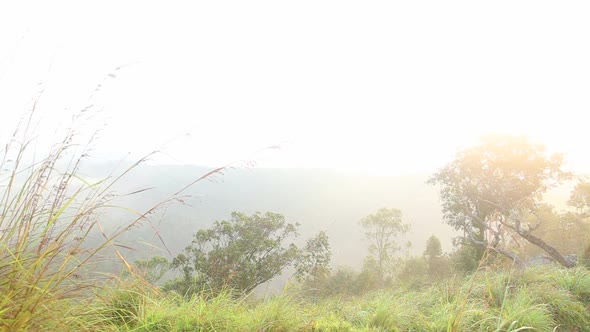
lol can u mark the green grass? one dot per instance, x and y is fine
(47, 212)
(540, 299)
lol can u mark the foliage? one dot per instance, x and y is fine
(346, 281)
(47, 211)
(370, 278)
(586, 257)
(312, 268)
(580, 197)
(343, 281)
(438, 265)
(238, 254)
(465, 259)
(548, 299)
(49, 214)
(433, 248)
(486, 190)
(414, 272)
(381, 230)
(314, 260)
(568, 232)
(152, 270)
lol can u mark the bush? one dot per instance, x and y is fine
(414, 272)
(465, 259)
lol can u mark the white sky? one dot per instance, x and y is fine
(387, 87)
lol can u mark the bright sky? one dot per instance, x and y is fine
(386, 87)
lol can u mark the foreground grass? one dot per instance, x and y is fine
(49, 213)
(540, 299)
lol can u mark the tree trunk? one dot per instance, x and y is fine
(548, 249)
(484, 246)
(527, 235)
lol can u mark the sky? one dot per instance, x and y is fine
(385, 87)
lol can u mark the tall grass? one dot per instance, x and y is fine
(47, 212)
(45, 215)
(539, 299)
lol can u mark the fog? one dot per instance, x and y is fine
(328, 110)
(384, 88)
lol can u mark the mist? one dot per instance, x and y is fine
(299, 152)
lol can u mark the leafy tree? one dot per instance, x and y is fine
(239, 254)
(314, 261)
(152, 270)
(312, 268)
(381, 230)
(437, 264)
(433, 248)
(580, 197)
(487, 189)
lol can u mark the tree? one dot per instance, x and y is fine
(381, 230)
(314, 260)
(312, 268)
(152, 270)
(568, 232)
(433, 248)
(437, 264)
(580, 197)
(486, 190)
(239, 254)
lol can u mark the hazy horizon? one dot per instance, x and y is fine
(380, 89)
(383, 88)
(294, 165)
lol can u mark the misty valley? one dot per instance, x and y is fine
(495, 240)
(294, 166)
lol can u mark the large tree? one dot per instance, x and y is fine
(240, 253)
(381, 230)
(488, 188)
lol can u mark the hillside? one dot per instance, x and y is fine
(317, 199)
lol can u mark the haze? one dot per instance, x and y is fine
(380, 87)
(326, 152)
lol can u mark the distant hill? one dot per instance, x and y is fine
(318, 199)
(332, 201)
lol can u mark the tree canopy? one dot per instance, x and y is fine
(486, 190)
(314, 260)
(152, 270)
(433, 248)
(381, 230)
(580, 197)
(240, 253)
